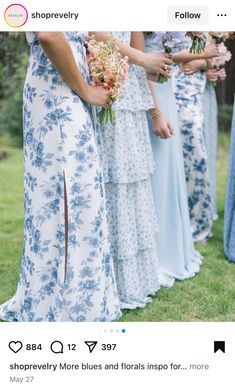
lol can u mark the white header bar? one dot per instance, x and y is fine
(119, 15)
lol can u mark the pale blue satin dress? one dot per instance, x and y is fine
(211, 139)
(177, 256)
(229, 218)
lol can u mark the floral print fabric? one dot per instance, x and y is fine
(128, 163)
(189, 96)
(61, 161)
(229, 218)
(211, 139)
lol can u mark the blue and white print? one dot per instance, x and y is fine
(211, 139)
(189, 91)
(229, 217)
(62, 279)
(128, 163)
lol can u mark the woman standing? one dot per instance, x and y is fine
(128, 165)
(177, 256)
(211, 129)
(211, 134)
(229, 222)
(67, 270)
(189, 88)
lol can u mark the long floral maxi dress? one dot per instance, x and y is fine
(189, 96)
(67, 271)
(128, 164)
(229, 217)
(211, 139)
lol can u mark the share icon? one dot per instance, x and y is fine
(91, 345)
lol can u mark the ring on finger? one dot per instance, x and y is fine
(165, 67)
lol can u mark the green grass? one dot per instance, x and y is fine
(210, 296)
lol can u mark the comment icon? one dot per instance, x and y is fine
(57, 347)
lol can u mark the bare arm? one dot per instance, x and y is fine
(211, 50)
(160, 124)
(58, 50)
(193, 66)
(137, 40)
(151, 62)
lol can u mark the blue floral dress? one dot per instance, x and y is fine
(229, 218)
(128, 163)
(61, 279)
(177, 257)
(211, 138)
(189, 96)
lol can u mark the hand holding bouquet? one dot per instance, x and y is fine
(173, 43)
(219, 36)
(199, 41)
(219, 62)
(108, 69)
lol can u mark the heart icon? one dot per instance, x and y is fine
(15, 346)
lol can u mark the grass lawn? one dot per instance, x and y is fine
(210, 296)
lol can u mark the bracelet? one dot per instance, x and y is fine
(154, 113)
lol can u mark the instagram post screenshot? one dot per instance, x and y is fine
(117, 195)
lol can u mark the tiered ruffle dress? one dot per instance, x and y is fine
(128, 165)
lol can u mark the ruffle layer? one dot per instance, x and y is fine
(137, 279)
(131, 218)
(136, 94)
(125, 148)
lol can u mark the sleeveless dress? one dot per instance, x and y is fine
(177, 256)
(229, 218)
(128, 163)
(189, 91)
(211, 139)
(59, 281)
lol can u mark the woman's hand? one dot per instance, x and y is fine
(193, 66)
(98, 96)
(156, 63)
(152, 76)
(222, 75)
(211, 50)
(161, 127)
(212, 74)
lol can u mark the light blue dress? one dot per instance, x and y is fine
(128, 163)
(229, 218)
(211, 139)
(177, 256)
(61, 160)
(189, 91)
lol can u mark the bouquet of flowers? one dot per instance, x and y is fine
(108, 69)
(173, 43)
(220, 61)
(199, 41)
(219, 36)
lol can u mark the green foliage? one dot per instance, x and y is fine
(225, 113)
(14, 52)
